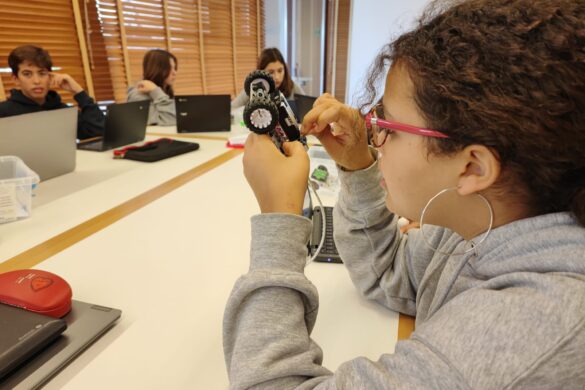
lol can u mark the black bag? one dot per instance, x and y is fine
(156, 150)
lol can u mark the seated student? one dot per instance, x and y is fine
(271, 60)
(159, 70)
(498, 305)
(31, 70)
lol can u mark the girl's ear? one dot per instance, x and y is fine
(480, 168)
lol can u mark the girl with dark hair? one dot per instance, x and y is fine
(159, 70)
(272, 61)
(480, 136)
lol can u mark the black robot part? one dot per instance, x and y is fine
(267, 108)
(260, 114)
(259, 77)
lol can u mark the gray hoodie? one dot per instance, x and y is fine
(162, 107)
(510, 316)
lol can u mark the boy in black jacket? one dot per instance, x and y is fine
(31, 70)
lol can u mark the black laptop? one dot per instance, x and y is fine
(86, 323)
(23, 334)
(125, 124)
(304, 104)
(203, 113)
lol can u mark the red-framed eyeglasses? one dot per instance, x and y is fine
(381, 128)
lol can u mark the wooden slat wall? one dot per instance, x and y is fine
(214, 56)
(46, 23)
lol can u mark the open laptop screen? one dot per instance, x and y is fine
(45, 141)
(202, 113)
(304, 104)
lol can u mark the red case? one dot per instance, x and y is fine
(37, 291)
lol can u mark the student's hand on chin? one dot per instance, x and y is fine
(347, 141)
(65, 82)
(145, 86)
(279, 182)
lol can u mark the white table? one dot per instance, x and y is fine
(98, 183)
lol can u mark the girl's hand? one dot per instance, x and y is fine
(342, 131)
(278, 181)
(145, 86)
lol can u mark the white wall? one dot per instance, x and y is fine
(307, 63)
(374, 23)
(275, 25)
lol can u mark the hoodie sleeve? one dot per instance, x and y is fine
(376, 254)
(91, 120)
(240, 100)
(271, 313)
(162, 108)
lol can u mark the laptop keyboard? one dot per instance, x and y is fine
(328, 253)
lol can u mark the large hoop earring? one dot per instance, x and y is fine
(472, 245)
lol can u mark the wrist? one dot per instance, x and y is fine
(282, 206)
(82, 98)
(285, 208)
(359, 161)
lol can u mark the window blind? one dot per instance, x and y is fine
(145, 30)
(112, 70)
(248, 21)
(218, 49)
(101, 71)
(183, 19)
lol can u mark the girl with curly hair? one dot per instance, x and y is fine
(479, 135)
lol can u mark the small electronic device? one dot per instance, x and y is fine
(328, 253)
(320, 173)
(268, 111)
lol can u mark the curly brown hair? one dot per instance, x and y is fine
(510, 75)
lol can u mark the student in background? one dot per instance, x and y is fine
(32, 72)
(159, 70)
(482, 119)
(271, 60)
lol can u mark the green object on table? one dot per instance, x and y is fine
(320, 173)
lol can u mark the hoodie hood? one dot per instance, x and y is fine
(52, 100)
